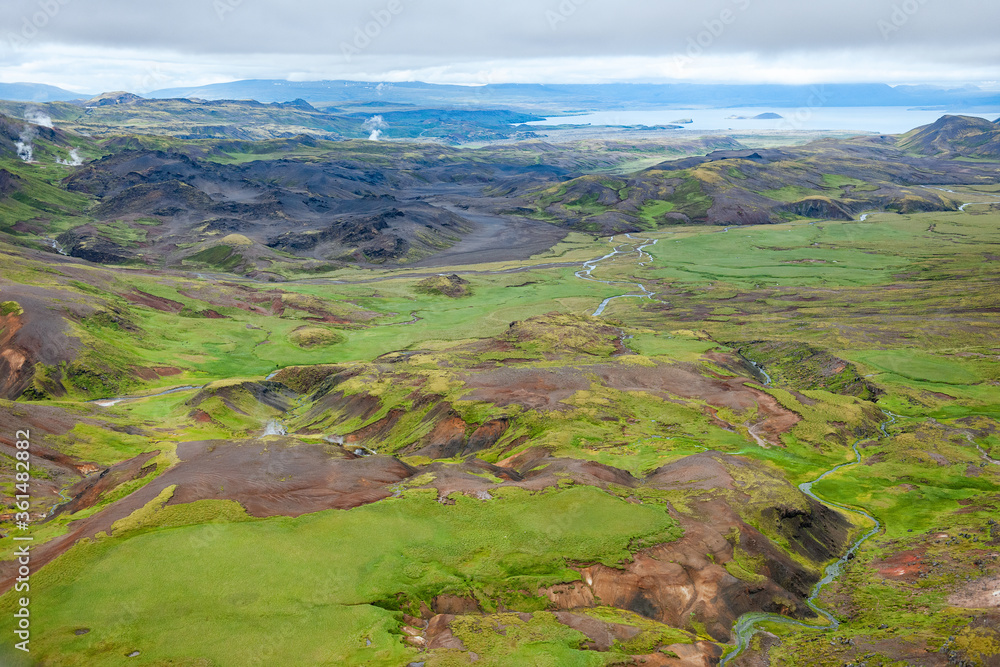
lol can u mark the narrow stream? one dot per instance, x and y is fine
(111, 402)
(748, 625)
(961, 208)
(639, 245)
(65, 499)
(985, 454)
(967, 204)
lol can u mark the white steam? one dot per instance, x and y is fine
(38, 117)
(376, 125)
(25, 149)
(74, 159)
(274, 427)
(25, 144)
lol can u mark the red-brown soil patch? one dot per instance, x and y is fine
(152, 301)
(36, 336)
(279, 477)
(534, 388)
(234, 296)
(702, 472)
(699, 654)
(486, 435)
(454, 604)
(903, 566)
(602, 634)
(438, 633)
(447, 438)
(155, 372)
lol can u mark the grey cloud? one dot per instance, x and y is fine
(448, 29)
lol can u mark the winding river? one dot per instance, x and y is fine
(967, 204)
(748, 625)
(639, 246)
(111, 402)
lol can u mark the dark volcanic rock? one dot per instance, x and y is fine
(95, 249)
(818, 207)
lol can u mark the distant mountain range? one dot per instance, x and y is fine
(575, 97)
(553, 97)
(36, 92)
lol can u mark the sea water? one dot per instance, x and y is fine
(882, 120)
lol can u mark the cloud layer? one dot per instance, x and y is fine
(101, 44)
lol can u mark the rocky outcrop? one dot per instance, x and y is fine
(452, 286)
(95, 248)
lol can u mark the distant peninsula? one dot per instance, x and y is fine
(763, 116)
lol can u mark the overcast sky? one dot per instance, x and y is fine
(143, 45)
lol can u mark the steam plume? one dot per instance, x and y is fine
(38, 117)
(74, 159)
(25, 150)
(25, 144)
(376, 125)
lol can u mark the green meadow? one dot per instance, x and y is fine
(270, 584)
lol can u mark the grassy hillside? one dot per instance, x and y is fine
(822, 180)
(955, 136)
